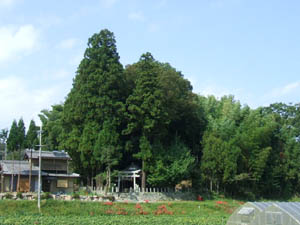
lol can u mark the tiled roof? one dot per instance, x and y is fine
(23, 167)
(47, 154)
(16, 166)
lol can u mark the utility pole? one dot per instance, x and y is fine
(40, 164)
(5, 149)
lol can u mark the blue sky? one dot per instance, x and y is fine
(248, 48)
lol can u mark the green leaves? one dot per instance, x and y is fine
(32, 136)
(97, 96)
(16, 137)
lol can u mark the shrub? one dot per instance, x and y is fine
(46, 195)
(110, 198)
(19, 195)
(75, 195)
(8, 196)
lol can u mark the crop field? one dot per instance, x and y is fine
(210, 212)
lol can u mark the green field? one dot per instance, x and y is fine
(210, 212)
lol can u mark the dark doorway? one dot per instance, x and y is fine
(46, 185)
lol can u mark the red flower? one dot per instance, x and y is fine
(108, 203)
(138, 206)
(199, 198)
(222, 203)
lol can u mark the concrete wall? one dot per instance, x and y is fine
(158, 196)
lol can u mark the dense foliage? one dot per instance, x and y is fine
(146, 113)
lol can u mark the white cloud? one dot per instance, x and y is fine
(68, 43)
(108, 3)
(15, 42)
(284, 91)
(19, 100)
(136, 16)
(290, 88)
(6, 2)
(213, 90)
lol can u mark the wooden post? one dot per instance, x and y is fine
(143, 175)
(2, 183)
(18, 184)
(30, 171)
(12, 176)
(119, 181)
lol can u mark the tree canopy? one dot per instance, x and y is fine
(147, 114)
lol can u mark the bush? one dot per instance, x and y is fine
(110, 198)
(8, 196)
(20, 195)
(46, 195)
(75, 195)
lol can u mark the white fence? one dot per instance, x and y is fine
(142, 190)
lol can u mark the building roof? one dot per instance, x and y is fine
(47, 154)
(9, 167)
(19, 166)
(63, 175)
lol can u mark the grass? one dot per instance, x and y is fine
(208, 212)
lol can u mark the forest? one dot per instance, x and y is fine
(147, 113)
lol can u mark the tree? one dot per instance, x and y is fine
(13, 137)
(52, 126)
(146, 114)
(107, 149)
(171, 164)
(21, 134)
(97, 95)
(3, 141)
(32, 136)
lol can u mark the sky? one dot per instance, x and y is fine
(247, 48)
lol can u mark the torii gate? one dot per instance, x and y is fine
(130, 172)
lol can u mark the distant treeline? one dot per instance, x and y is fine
(146, 113)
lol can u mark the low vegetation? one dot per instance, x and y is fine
(76, 212)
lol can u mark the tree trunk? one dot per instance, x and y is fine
(107, 186)
(109, 177)
(211, 185)
(143, 176)
(92, 180)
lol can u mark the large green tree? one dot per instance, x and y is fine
(175, 113)
(97, 95)
(146, 115)
(52, 126)
(13, 140)
(32, 136)
(21, 134)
